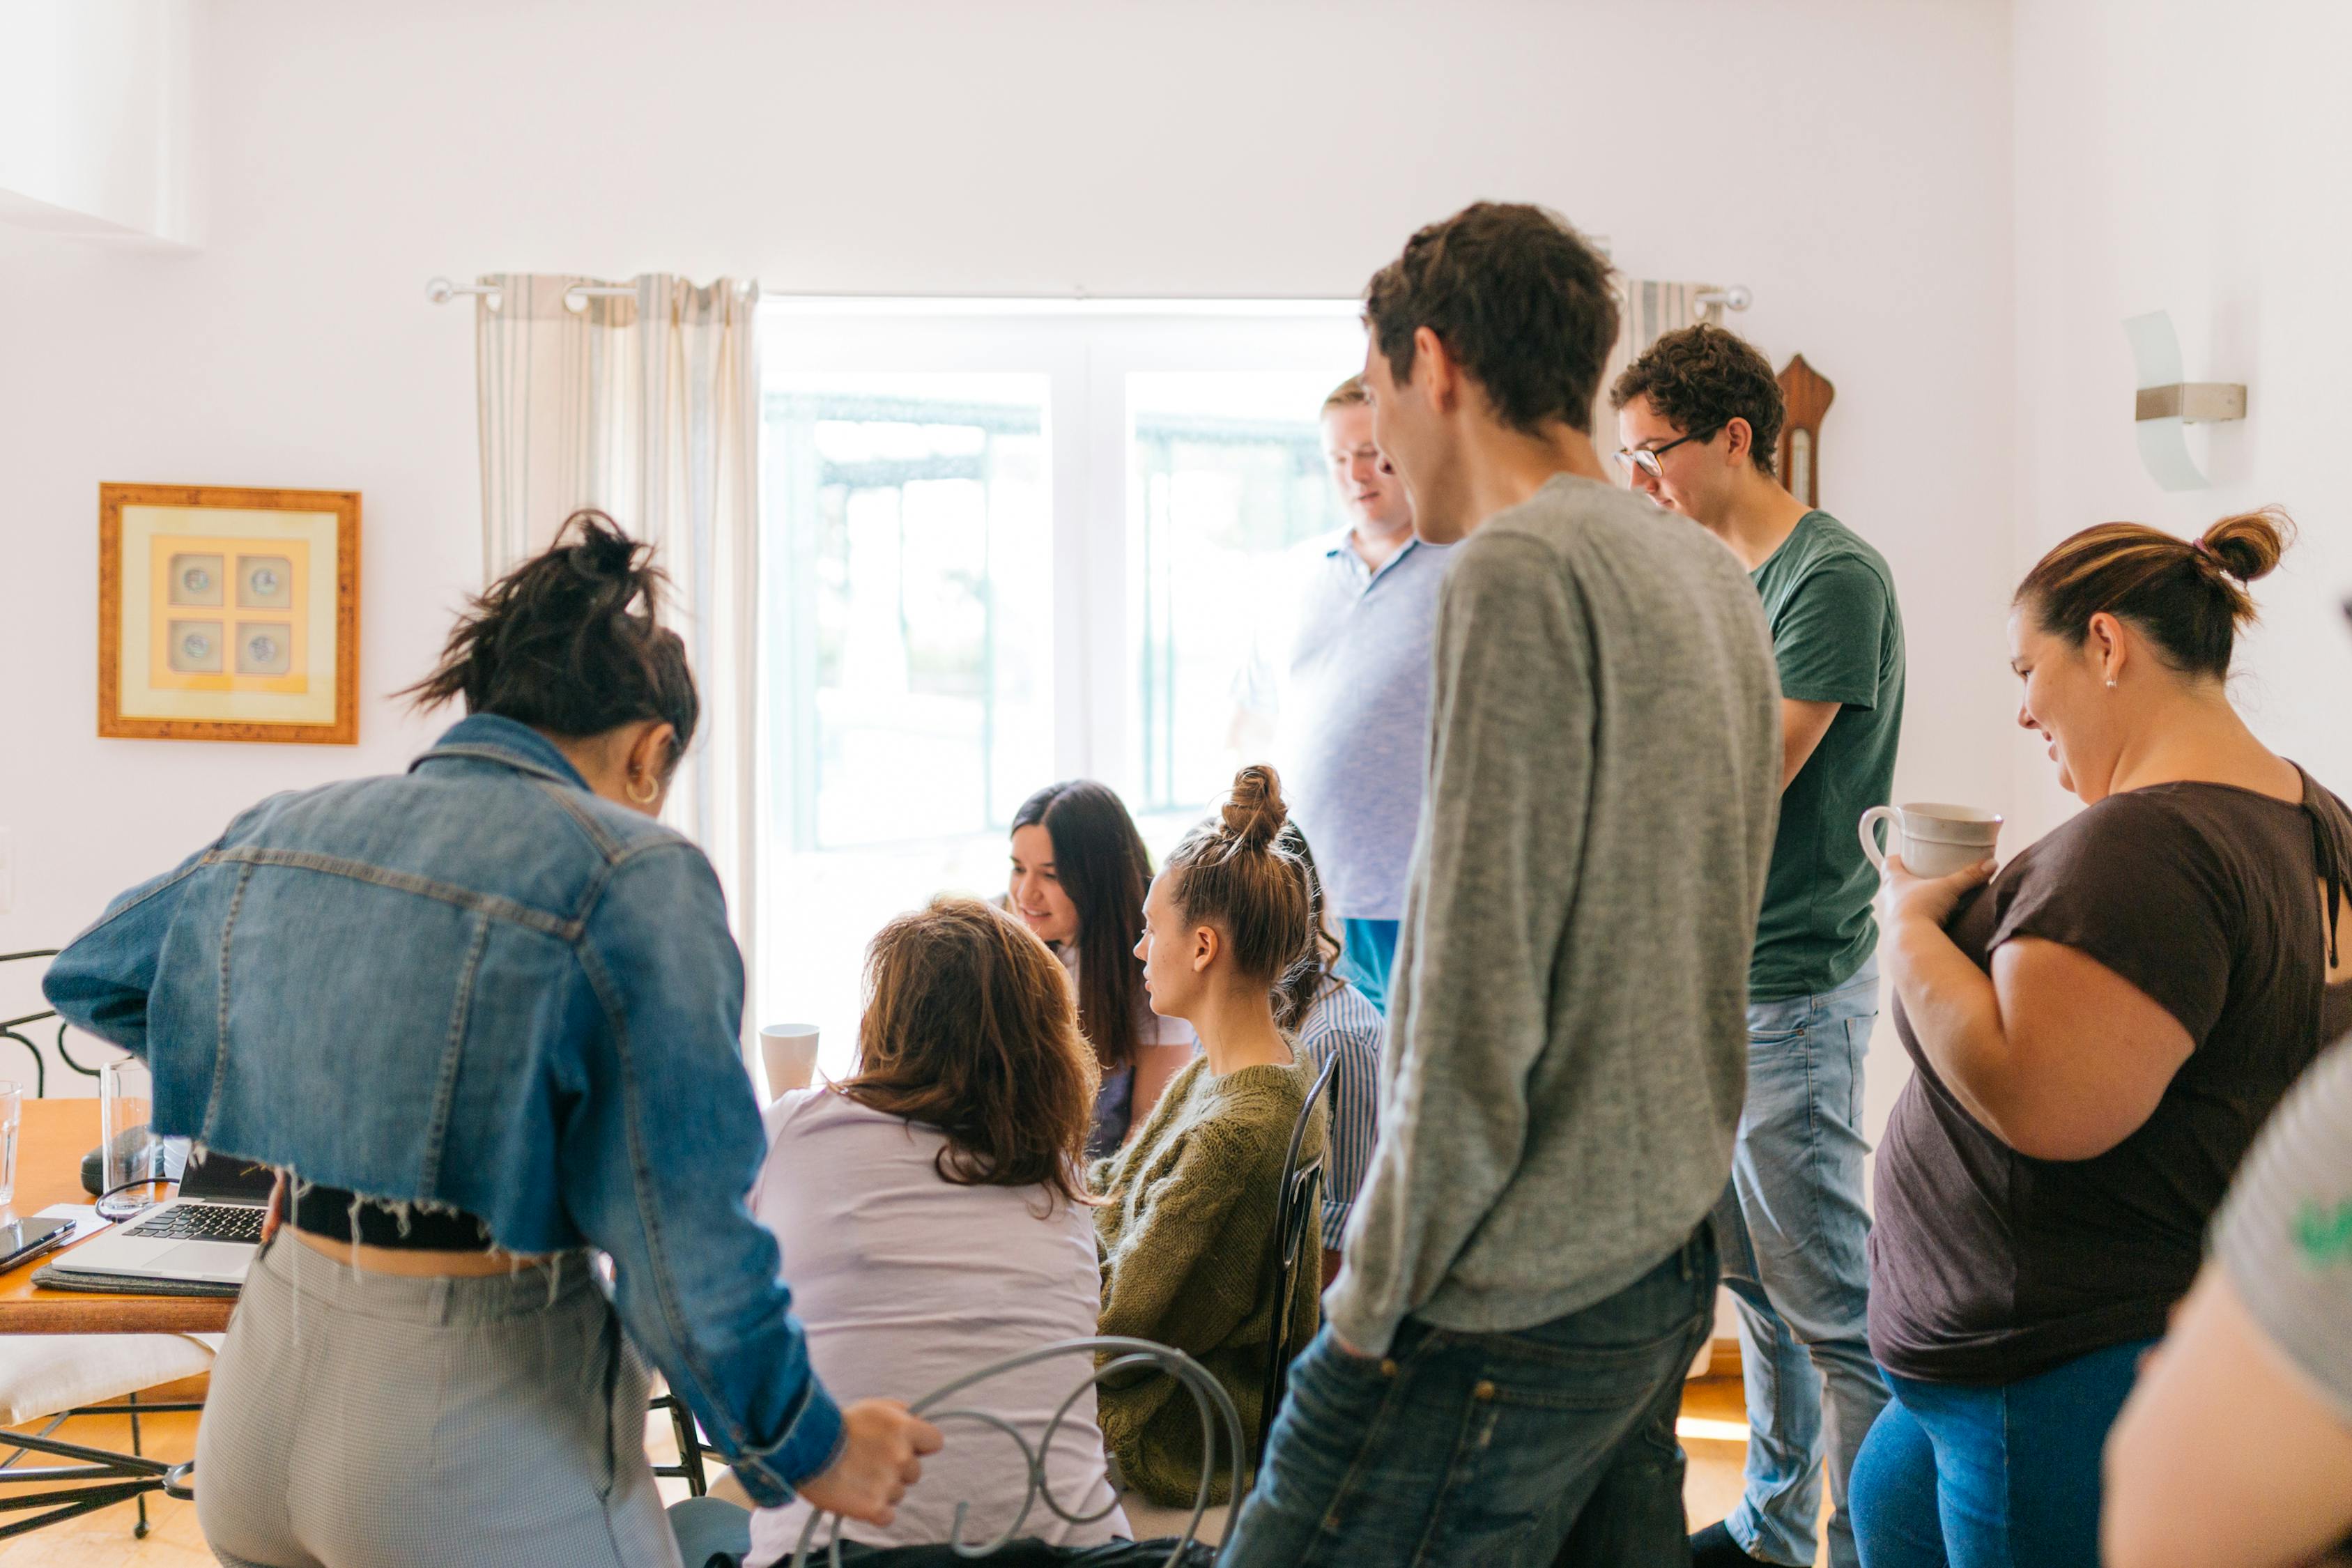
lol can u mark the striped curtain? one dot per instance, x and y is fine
(645, 405)
(1647, 311)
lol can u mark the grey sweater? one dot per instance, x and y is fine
(1567, 1035)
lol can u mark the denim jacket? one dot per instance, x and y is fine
(480, 985)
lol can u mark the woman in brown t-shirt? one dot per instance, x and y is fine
(2097, 1036)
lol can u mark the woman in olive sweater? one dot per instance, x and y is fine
(1186, 1222)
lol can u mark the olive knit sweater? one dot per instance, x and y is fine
(1187, 1240)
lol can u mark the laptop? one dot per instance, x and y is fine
(207, 1234)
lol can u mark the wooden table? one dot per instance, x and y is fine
(55, 1135)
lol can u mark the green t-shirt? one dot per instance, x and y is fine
(1837, 636)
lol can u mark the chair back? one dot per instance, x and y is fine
(8, 1027)
(1297, 1212)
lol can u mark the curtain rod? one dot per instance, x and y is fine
(440, 292)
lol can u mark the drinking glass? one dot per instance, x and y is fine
(12, 1103)
(135, 1161)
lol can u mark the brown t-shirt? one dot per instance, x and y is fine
(1987, 1266)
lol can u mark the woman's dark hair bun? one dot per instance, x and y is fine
(1254, 811)
(604, 550)
(571, 642)
(2247, 546)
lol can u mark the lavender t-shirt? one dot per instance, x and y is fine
(906, 1282)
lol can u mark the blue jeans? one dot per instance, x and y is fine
(1796, 1256)
(1553, 1444)
(1367, 952)
(1961, 1476)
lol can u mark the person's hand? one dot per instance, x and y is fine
(1903, 897)
(881, 1456)
(274, 1214)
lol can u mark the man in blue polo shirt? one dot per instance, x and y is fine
(1349, 691)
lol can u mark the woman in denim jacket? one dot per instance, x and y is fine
(486, 1017)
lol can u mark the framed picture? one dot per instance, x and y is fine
(228, 615)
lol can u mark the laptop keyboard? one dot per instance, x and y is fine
(200, 1222)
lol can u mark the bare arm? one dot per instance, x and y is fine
(1802, 725)
(2058, 1056)
(2225, 1454)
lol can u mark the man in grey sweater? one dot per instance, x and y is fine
(1530, 1267)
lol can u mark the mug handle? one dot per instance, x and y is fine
(1870, 821)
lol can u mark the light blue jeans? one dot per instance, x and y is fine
(1795, 1240)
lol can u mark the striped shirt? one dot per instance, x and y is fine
(1343, 1022)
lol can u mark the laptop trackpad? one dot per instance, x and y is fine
(206, 1260)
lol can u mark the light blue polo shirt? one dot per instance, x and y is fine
(1353, 716)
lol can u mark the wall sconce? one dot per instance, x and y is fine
(2165, 405)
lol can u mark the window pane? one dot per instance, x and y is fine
(1226, 474)
(909, 614)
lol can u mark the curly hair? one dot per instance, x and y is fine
(1517, 296)
(1701, 378)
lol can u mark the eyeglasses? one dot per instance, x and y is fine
(1646, 458)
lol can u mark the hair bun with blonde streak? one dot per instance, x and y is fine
(2249, 545)
(1254, 812)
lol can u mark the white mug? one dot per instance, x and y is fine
(788, 1052)
(1935, 839)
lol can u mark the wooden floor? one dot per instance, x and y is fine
(1712, 1428)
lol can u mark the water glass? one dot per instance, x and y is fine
(133, 1162)
(12, 1112)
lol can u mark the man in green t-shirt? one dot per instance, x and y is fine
(1699, 415)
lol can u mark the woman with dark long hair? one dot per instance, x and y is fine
(1079, 875)
(485, 1016)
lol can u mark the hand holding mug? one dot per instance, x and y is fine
(1903, 895)
(1939, 853)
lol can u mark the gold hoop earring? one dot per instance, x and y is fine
(647, 798)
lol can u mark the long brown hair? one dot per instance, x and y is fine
(1230, 870)
(1294, 994)
(1102, 865)
(2188, 596)
(968, 1029)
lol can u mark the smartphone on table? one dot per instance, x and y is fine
(24, 1238)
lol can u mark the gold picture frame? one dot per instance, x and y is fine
(228, 615)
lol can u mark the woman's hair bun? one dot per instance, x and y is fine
(1254, 811)
(2249, 545)
(603, 549)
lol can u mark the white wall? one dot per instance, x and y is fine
(96, 124)
(1849, 160)
(2176, 155)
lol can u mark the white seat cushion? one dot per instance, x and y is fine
(41, 1374)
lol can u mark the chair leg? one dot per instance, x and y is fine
(690, 1445)
(138, 1531)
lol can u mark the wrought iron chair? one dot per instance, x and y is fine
(110, 1366)
(1296, 1218)
(1220, 1422)
(9, 1027)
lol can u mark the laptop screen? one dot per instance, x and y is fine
(224, 1179)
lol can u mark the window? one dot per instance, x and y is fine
(1004, 546)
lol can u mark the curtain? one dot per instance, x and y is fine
(645, 404)
(1647, 311)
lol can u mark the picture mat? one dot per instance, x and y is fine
(149, 531)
